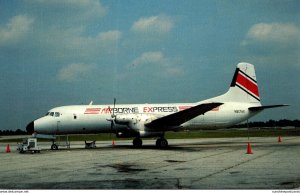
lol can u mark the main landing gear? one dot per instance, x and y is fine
(160, 143)
(137, 142)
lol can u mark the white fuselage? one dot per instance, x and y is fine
(95, 118)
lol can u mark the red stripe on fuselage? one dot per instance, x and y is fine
(247, 84)
(92, 111)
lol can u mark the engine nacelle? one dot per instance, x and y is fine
(135, 122)
(150, 134)
(125, 119)
(126, 134)
(129, 134)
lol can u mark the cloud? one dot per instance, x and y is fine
(155, 24)
(63, 46)
(50, 32)
(66, 13)
(273, 43)
(62, 31)
(157, 63)
(73, 72)
(15, 29)
(149, 58)
(273, 32)
(109, 36)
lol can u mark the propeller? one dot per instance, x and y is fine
(113, 116)
(113, 113)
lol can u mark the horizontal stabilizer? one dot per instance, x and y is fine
(260, 108)
(180, 117)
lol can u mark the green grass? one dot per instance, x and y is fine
(233, 133)
(186, 135)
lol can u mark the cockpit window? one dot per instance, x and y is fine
(53, 114)
(47, 113)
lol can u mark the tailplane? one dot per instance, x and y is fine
(244, 89)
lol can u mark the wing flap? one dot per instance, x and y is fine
(180, 117)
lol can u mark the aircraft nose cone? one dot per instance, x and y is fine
(30, 127)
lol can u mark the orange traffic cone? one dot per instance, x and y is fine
(7, 149)
(113, 142)
(249, 150)
(279, 139)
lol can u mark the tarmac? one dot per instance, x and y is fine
(214, 163)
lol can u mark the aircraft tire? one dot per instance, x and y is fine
(162, 143)
(137, 142)
(54, 147)
(158, 141)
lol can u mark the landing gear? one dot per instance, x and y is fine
(137, 142)
(161, 143)
(54, 147)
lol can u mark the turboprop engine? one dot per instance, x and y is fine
(137, 123)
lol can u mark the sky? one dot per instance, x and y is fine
(69, 52)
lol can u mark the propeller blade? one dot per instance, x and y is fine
(112, 124)
(113, 117)
(113, 113)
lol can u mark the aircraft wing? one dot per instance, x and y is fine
(260, 108)
(180, 117)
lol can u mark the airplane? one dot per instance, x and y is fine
(238, 104)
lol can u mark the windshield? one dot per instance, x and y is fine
(53, 114)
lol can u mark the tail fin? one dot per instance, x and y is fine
(243, 87)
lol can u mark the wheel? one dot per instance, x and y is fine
(137, 142)
(158, 141)
(54, 147)
(162, 143)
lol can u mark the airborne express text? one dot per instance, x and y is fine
(126, 110)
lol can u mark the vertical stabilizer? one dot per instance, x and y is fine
(244, 87)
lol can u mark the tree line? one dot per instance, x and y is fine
(270, 123)
(10, 132)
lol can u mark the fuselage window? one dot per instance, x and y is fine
(75, 116)
(57, 114)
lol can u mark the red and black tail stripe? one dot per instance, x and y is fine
(246, 83)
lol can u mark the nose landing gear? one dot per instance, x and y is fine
(54, 147)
